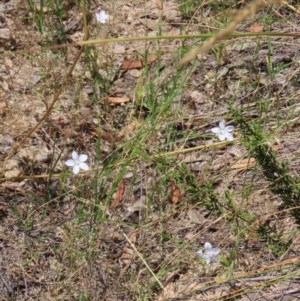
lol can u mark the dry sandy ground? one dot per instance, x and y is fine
(51, 245)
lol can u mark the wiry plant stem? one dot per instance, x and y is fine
(241, 15)
(282, 184)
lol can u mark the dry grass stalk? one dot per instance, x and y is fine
(56, 95)
(249, 11)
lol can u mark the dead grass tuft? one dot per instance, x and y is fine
(238, 17)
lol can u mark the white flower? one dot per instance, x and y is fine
(223, 132)
(77, 162)
(209, 254)
(102, 16)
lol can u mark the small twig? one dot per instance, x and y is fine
(9, 289)
(143, 260)
(162, 155)
(55, 97)
(263, 278)
(155, 38)
(241, 15)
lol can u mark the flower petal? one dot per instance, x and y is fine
(74, 155)
(204, 256)
(216, 130)
(213, 252)
(229, 128)
(228, 136)
(101, 16)
(76, 169)
(222, 124)
(83, 166)
(207, 246)
(200, 252)
(70, 162)
(222, 136)
(207, 258)
(82, 158)
(209, 254)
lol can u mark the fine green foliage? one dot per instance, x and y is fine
(281, 183)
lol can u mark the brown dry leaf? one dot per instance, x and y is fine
(132, 236)
(118, 99)
(179, 290)
(221, 161)
(243, 164)
(8, 63)
(5, 35)
(159, 4)
(25, 76)
(16, 186)
(118, 195)
(129, 129)
(199, 97)
(236, 151)
(12, 169)
(196, 216)
(105, 135)
(138, 205)
(128, 254)
(3, 105)
(256, 27)
(132, 210)
(130, 63)
(175, 192)
(6, 141)
(38, 153)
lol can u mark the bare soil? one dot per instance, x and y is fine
(51, 245)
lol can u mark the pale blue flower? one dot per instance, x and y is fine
(102, 16)
(223, 132)
(209, 255)
(77, 162)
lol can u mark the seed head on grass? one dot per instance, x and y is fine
(209, 255)
(223, 132)
(77, 162)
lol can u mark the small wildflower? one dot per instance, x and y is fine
(102, 16)
(209, 254)
(77, 162)
(223, 132)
